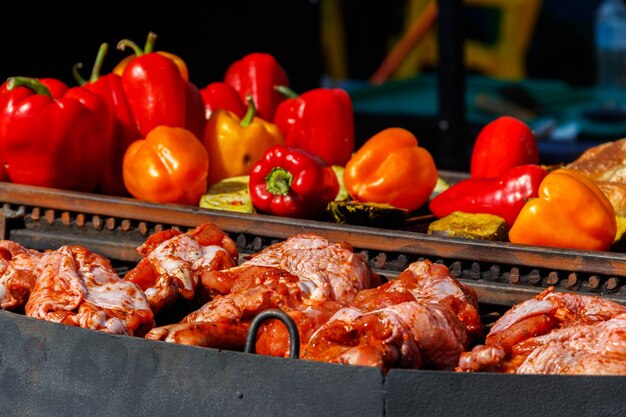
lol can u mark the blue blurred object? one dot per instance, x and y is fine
(567, 119)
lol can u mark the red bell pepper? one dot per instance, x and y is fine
(158, 94)
(51, 141)
(222, 96)
(502, 144)
(57, 88)
(93, 153)
(125, 131)
(320, 121)
(149, 47)
(256, 74)
(504, 196)
(291, 182)
(196, 119)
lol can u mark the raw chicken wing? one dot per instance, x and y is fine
(423, 319)
(307, 276)
(17, 264)
(554, 332)
(173, 263)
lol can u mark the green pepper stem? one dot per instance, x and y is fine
(149, 47)
(278, 181)
(75, 72)
(28, 82)
(121, 45)
(97, 66)
(250, 113)
(286, 91)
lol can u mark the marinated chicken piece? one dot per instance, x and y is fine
(79, 288)
(307, 276)
(17, 264)
(554, 332)
(423, 319)
(326, 271)
(173, 263)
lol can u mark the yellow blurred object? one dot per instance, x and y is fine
(504, 59)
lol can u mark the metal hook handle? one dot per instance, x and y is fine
(294, 337)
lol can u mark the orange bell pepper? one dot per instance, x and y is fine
(236, 144)
(571, 212)
(391, 168)
(169, 166)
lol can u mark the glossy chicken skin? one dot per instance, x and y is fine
(554, 333)
(422, 319)
(307, 276)
(79, 288)
(17, 264)
(173, 263)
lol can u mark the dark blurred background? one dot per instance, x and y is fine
(209, 35)
(48, 39)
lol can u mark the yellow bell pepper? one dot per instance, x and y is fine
(235, 145)
(571, 212)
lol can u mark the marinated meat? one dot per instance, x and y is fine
(423, 319)
(307, 276)
(79, 288)
(554, 332)
(173, 263)
(605, 164)
(17, 264)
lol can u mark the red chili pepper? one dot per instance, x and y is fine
(291, 182)
(502, 144)
(222, 96)
(504, 196)
(51, 141)
(125, 131)
(320, 121)
(256, 74)
(158, 94)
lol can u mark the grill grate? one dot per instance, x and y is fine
(497, 279)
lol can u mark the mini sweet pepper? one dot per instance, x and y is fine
(571, 212)
(504, 196)
(169, 166)
(256, 75)
(391, 168)
(320, 121)
(235, 145)
(291, 182)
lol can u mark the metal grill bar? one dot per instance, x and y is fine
(501, 273)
